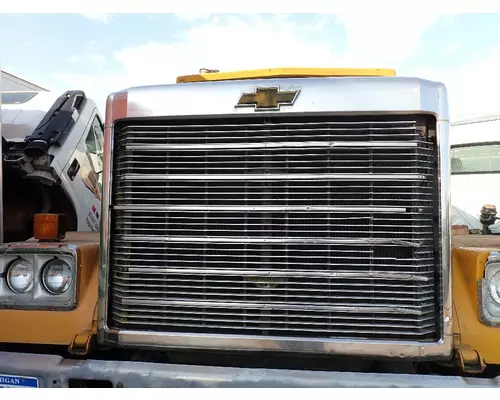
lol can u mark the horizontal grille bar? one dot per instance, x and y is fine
(372, 276)
(260, 146)
(313, 209)
(339, 241)
(274, 177)
(273, 226)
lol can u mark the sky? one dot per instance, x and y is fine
(103, 53)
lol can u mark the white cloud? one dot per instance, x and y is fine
(192, 17)
(248, 42)
(384, 40)
(454, 48)
(102, 17)
(75, 58)
(210, 45)
(98, 60)
(214, 46)
(90, 55)
(472, 88)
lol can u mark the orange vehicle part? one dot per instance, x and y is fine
(469, 255)
(59, 327)
(286, 73)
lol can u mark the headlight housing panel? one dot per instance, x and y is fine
(53, 284)
(489, 292)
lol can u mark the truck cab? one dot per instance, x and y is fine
(51, 191)
(52, 161)
(475, 166)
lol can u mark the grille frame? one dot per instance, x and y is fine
(383, 348)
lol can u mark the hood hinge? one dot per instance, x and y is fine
(469, 360)
(82, 342)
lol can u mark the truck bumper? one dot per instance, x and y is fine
(55, 371)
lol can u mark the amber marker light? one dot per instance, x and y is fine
(49, 226)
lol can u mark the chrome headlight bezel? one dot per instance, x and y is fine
(489, 292)
(8, 275)
(53, 264)
(38, 298)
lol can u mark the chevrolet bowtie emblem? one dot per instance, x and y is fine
(268, 99)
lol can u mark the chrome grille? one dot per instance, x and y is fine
(322, 227)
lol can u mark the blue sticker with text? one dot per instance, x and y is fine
(14, 381)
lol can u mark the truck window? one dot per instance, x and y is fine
(94, 143)
(481, 158)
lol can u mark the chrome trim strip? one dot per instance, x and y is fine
(361, 348)
(182, 239)
(395, 210)
(274, 177)
(272, 145)
(442, 139)
(276, 306)
(290, 123)
(105, 239)
(392, 349)
(282, 274)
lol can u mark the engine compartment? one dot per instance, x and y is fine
(25, 196)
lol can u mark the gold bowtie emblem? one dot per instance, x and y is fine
(270, 98)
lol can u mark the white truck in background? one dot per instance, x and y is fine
(475, 168)
(52, 161)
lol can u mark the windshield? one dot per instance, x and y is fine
(476, 159)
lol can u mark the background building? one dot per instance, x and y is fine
(16, 90)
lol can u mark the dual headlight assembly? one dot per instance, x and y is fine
(38, 280)
(489, 289)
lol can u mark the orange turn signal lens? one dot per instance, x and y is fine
(49, 227)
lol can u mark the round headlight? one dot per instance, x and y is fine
(57, 276)
(20, 276)
(494, 287)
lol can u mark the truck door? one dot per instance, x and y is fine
(83, 176)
